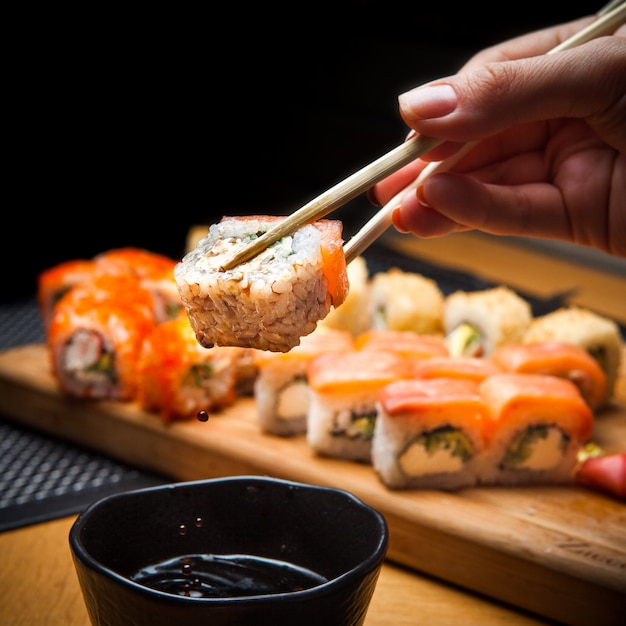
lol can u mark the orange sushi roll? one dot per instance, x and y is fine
(54, 282)
(281, 389)
(559, 359)
(430, 433)
(540, 422)
(178, 377)
(95, 336)
(342, 401)
(154, 270)
(464, 367)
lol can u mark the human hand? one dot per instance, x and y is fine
(550, 157)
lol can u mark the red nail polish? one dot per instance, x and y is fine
(397, 221)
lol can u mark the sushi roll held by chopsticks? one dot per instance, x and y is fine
(270, 301)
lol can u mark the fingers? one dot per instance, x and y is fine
(586, 82)
(464, 203)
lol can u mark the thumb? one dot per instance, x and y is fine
(587, 82)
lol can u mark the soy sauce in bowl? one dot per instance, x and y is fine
(224, 576)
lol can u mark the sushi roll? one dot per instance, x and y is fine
(342, 402)
(430, 434)
(353, 314)
(95, 337)
(597, 334)
(54, 282)
(464, 367)
(559, 359)
(177, 377)
(270, 301)
(281, 389)
(476, 322)
(155, 272)
(540, 423)
(406, 301)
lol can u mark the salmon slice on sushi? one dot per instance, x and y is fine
(430, 434)
(353, 314)
(540, 423)
(281, 389)
(178, 378)
(597, 334)
(342, 403)
(407, 343)
(270, 301)
(464, 367)
(559, 359)
(95, 336)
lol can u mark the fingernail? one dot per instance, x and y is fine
(427, 102)
(371, 196)
(420, 196)
(397, 221)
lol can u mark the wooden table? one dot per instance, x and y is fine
(38, 584)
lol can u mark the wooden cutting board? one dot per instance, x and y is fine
(557, 551)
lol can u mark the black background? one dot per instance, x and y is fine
(131, 128)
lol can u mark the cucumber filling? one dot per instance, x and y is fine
(465, 340)
(442, 450)
(354, 425)
(538, 447)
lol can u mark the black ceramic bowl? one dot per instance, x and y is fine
(239, 550)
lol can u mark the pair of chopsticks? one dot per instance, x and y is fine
(610, 17)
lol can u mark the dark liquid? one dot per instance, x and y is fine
(226, 576)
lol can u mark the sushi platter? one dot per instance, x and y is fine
(557, 551)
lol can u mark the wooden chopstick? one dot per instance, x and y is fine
(336, 196)
(610, 17)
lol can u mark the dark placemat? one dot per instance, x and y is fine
(43, 478)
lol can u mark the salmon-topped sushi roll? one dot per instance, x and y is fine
(465, 367)
(430, 434)
(178, 377)
(53, 283)
(281, 389)
(540, 422)
(155, 272)
(270, 301)
(559, 359)
(342, 402)
(95, 336)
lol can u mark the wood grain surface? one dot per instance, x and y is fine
(558, 551)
